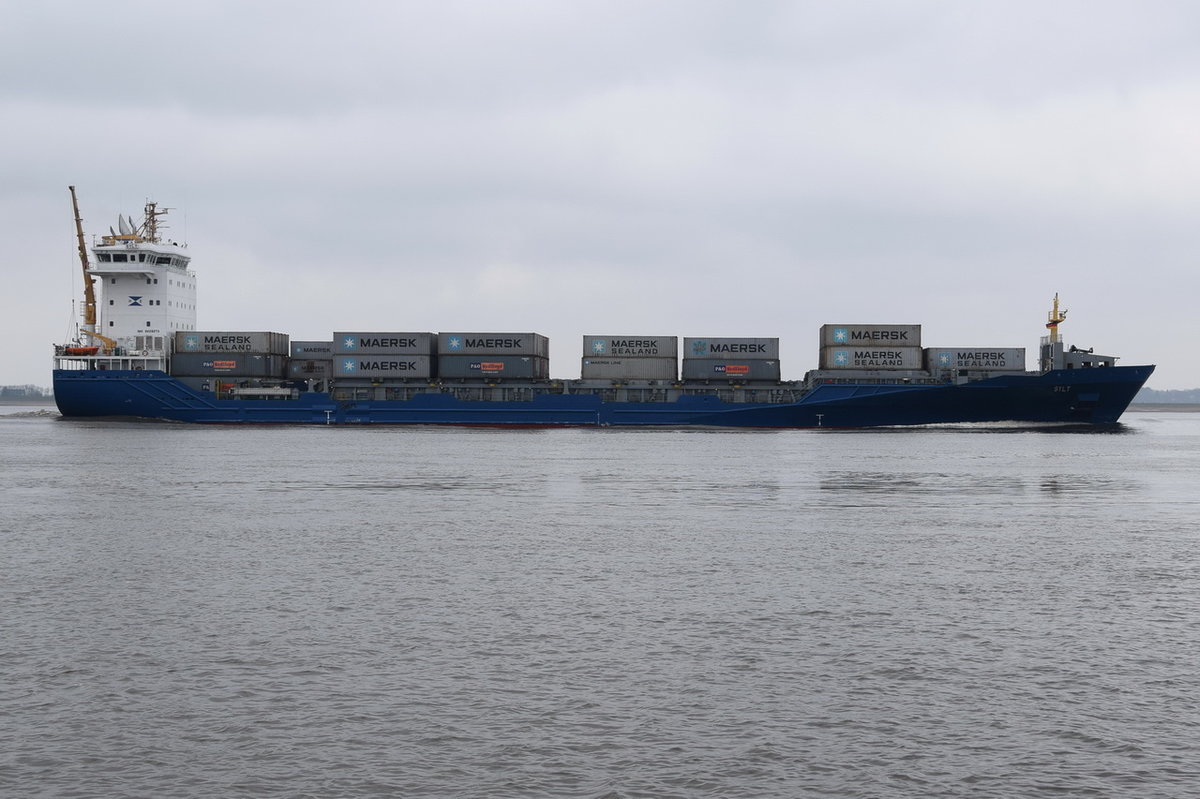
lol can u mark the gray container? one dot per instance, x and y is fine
(231, 341)
(380, 366)
(735, 370)
(524, 344)
(453, 367)
(307, 368)
(311, 349)
(384, 343)
(877, 336)
(666, 369)
(872, 357)
(991, 359)
(200, 364)
(741, 349)
(630, 347)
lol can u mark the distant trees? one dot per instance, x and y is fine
(25, 393)
(1151, 395)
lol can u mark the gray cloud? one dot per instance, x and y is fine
(694, 168)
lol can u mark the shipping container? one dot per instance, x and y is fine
(384, 343)
(452, 367)
(993, 359)
(199, 364)
(666, 369)
(741, 349)
(631, 346)
(376, 366)
(231, 341)
(870, 336)
(307, 368)
(312, 349)
(880, 357)
(524, 344)
(736, 370)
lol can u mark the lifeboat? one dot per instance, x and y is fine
(80, 350)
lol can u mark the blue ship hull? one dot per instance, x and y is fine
(1075, 396)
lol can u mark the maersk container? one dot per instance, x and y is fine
(231, 341)
(312, 349)
(741, 349)
(376, 366)
(991, 359)
(870, 336)
(308, 368)
(520, 344)
(383, 343)
(452, 367)
(630, 347)
(728, 369)
(200, 364)
(869, 357)
(600, 368)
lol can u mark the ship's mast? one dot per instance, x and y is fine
(1057, 317)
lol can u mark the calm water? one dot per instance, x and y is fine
(215, 611)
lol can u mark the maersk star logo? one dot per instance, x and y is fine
(841, 335)
(841, 357)
(191, 342)
(944, 359)
(598, 346)
(454, 343)
(699, 347)
(349, 365)
(350, 343)
(135, 300)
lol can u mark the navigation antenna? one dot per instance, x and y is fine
(1057, 317)
(150, 227)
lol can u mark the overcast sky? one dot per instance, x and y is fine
(666, 168)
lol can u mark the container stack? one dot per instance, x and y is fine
(873, 347)
(231, 355)
(492, 356)
(975, 359)
(630, 358)
(310, 360)
(384, 356)
(733, 359)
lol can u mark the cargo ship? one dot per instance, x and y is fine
(138, 353)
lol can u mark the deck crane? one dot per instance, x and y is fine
(89, 289)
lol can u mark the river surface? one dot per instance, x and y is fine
(332, 612)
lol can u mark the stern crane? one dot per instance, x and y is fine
(89, 289)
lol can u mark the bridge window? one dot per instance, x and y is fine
(119, 257)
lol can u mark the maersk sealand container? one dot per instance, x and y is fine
(630, 347)
(872, 358)
(983, 359)
(261, 342)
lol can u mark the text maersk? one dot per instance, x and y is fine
(737, 348)
(625, 346)
(380, 343)
(387, 366)
(878, 335)
(494, 343)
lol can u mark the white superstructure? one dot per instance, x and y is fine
(140, 292)
(147, 291)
